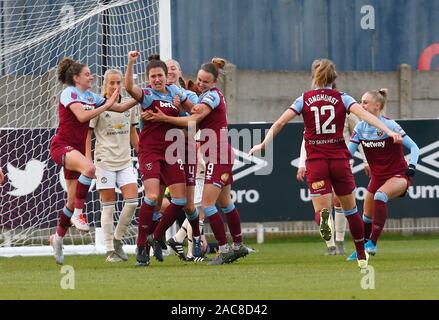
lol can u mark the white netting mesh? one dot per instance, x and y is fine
(34, 36)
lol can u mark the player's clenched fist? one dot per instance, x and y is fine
(133, 55)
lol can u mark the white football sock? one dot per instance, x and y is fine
(107, 224)
(182, 232)
(126, 216)
(331, 242)
(189, 239)
(224, 248)
(340, 224)
(58, 237)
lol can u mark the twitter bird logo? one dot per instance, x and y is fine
(26, 181)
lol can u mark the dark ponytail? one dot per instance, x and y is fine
(214, 67)
(68, 68)
(155, 62)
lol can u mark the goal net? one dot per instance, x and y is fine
(34, 36)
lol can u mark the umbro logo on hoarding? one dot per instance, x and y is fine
(428, 160)
(245, 164)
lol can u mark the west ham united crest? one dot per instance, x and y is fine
(224, 177)
(318, 185)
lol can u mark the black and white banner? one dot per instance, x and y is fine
(278, 196)
(265, 187)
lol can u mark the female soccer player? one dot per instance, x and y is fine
(210, 114)
(335, 245)
(324, 111)
(390, 176)
(190, 160)
(112, 157)
(154, 165)
(77, 106)
(176, 242)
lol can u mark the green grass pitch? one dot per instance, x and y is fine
(292, 268)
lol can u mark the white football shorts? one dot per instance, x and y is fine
(107, 179)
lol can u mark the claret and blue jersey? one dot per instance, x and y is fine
(299, 103)
(324, 112)
(383, 155)
(70, 130)
(153, 135)
(150, 95)
(216, 121)
(211, 98)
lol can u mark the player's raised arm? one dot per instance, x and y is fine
(122, 107)
(374, 121)
(301, 171)
(86, 115)
(131, 88)
(277, 127)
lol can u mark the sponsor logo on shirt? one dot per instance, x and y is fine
(373, 144)
(167, 105)
(326, 141)
(118, 125)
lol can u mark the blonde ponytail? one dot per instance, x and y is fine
(323, 73)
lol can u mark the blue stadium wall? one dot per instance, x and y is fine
(280, 35)
(275, 35)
